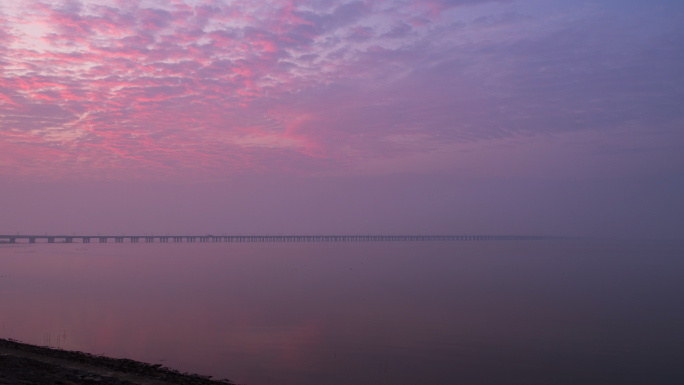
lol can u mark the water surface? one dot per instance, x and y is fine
(502, 312)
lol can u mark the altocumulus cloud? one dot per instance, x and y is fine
(197, 88)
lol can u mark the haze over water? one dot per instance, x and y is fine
(514, 312)
(322, 117)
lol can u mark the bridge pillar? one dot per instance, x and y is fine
(51, 240)
(32, 240)
(13, 240)
(103, 239)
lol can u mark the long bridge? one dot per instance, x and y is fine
(255, 238)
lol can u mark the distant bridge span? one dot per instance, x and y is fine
(256, 238)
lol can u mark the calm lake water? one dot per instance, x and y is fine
(502, 312)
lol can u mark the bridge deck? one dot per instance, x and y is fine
(256, 238)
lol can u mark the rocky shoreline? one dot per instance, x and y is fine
(24, 364)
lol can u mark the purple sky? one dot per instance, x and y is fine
(418, 116)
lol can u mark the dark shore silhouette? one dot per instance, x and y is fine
(29, 364)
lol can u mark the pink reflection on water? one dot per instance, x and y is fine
(339, 313)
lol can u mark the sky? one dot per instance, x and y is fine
(526, 117)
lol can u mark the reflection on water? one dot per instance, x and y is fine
(542, 312)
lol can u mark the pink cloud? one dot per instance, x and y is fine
(275, 85)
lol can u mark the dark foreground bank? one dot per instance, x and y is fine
(28, 364)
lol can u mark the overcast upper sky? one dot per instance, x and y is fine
(335, 116)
